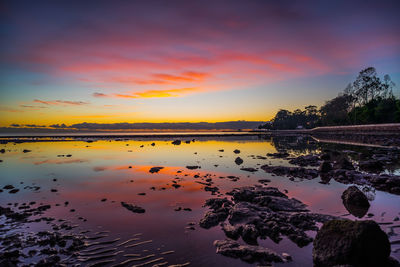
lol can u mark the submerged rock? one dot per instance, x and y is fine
(355, 243)
(250, 254)
(355, 201)
(133, 208)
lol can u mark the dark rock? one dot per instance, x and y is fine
(211, 219)
(155, 169)
(211, 189)
(133, 208)
(238, 160)
(355, 201)
(298, 172)
(176, 142)
(325, 167)
(193, 167)
(264, 181)
(236, 151)
(278, 155)
(373, 166)
(13, 191)
(343, 164)
(355, 243)
(26, 150)
(248, 169)
(306, 160)
(250, 254)
(8, 187)
(232, 231)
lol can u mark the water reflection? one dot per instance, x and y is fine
(119, 171)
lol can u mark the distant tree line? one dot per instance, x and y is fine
(369, 99)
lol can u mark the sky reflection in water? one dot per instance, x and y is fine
(119, 171)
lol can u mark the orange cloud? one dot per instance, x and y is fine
(160, 93)
(60, 102)
(162, 78)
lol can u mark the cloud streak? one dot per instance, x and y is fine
(60, 102)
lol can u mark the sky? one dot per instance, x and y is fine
(186, 61)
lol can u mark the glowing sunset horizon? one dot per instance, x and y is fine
(69, 62)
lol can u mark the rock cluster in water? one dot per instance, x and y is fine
(335, 165)
(259, 212)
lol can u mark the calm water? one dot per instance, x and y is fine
(119, 171)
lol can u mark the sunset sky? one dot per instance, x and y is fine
(174, 61)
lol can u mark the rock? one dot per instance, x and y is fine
(176, 186)
(236, 151)
(250, 254)
(211, 219)
(325, 167)
(355, 243)
(211, 189)
(279, 155)
(298, 172)
(232, 231)
(306, 160)
(176, 142)
(373, 166)
(133, 208)
(13, 191)
(248, 169)
(8, 187)
(153, 144)
(343, 164)
(193, 167)
(155, 169)
(238, 160)
(355, 201)
(264, 181)
(26, 150)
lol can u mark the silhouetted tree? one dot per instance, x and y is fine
(367, 100)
